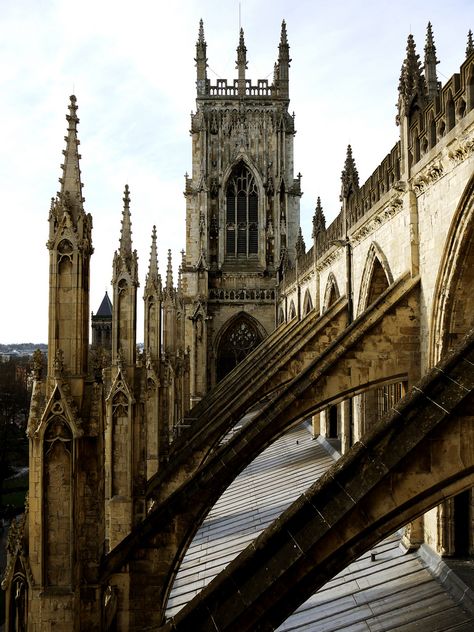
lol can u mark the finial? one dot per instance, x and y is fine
(412, 83)
(126, 230)
(430, 63)
(300, 245)
(71, 186)
(470, 44)
(350, 175)
(319, 221)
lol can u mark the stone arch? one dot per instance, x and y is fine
(453, 301)
(450, 112)
(331, 293)
(237, 338)
(376, 277)
(307, 303)
(452, 317)
(58, 498)
(281, 315)
(292, 310)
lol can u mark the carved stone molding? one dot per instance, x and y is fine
(378, 219)
(329, 259)
(433, 172)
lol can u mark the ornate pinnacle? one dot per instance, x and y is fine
(126, 230)
(201, 41)
(349, 176)
(412, 83)
(470, 44)
(283, 36)
(241, 63)
(283, 65)
(319, 221)
(430, 63)
(153, 279)
(71, 178)
(201, 62)
(169, 275)
(300, 245)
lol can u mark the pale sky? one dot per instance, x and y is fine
(131, 66)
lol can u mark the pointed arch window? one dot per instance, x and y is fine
(241, 214)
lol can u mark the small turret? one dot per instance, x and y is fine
(241, 63)
(470, 44)
(201, 63)
(125, 249)
(432, 85)
(153, 278)
(283, 63)
(349, 176)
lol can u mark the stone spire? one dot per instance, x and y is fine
(241, 63)
(470, 44)
(71, 186)
(430, 64)
(283, 63)
(319, 221)
(412, 83)
(201, 62)
(300, 245)
(349, 176)
(153, 278)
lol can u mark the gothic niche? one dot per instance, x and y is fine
(58, 507)
(120, 409)
(18, 615)
(240, 338)
(241, 222)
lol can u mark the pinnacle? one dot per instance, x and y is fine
(430, 48)
(169, 273)
(201, 41)
(126, 231)
(71, 185)
(300, 245)
(153, 276)
(319, 221)
(412, 82)
(470, 44)
(350, 175)
(241, 39)
(283, 35)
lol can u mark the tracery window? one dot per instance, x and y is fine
(241, 214)
(238, 341)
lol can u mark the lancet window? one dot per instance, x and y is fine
(241, 214)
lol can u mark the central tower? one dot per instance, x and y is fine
(242, 213)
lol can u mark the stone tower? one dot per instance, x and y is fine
(242, 213)
(102, 325)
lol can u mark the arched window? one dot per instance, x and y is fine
(241, 214)
(240, 338)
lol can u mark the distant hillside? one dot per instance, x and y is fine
(22, 348)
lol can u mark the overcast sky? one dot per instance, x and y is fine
(131, 66)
